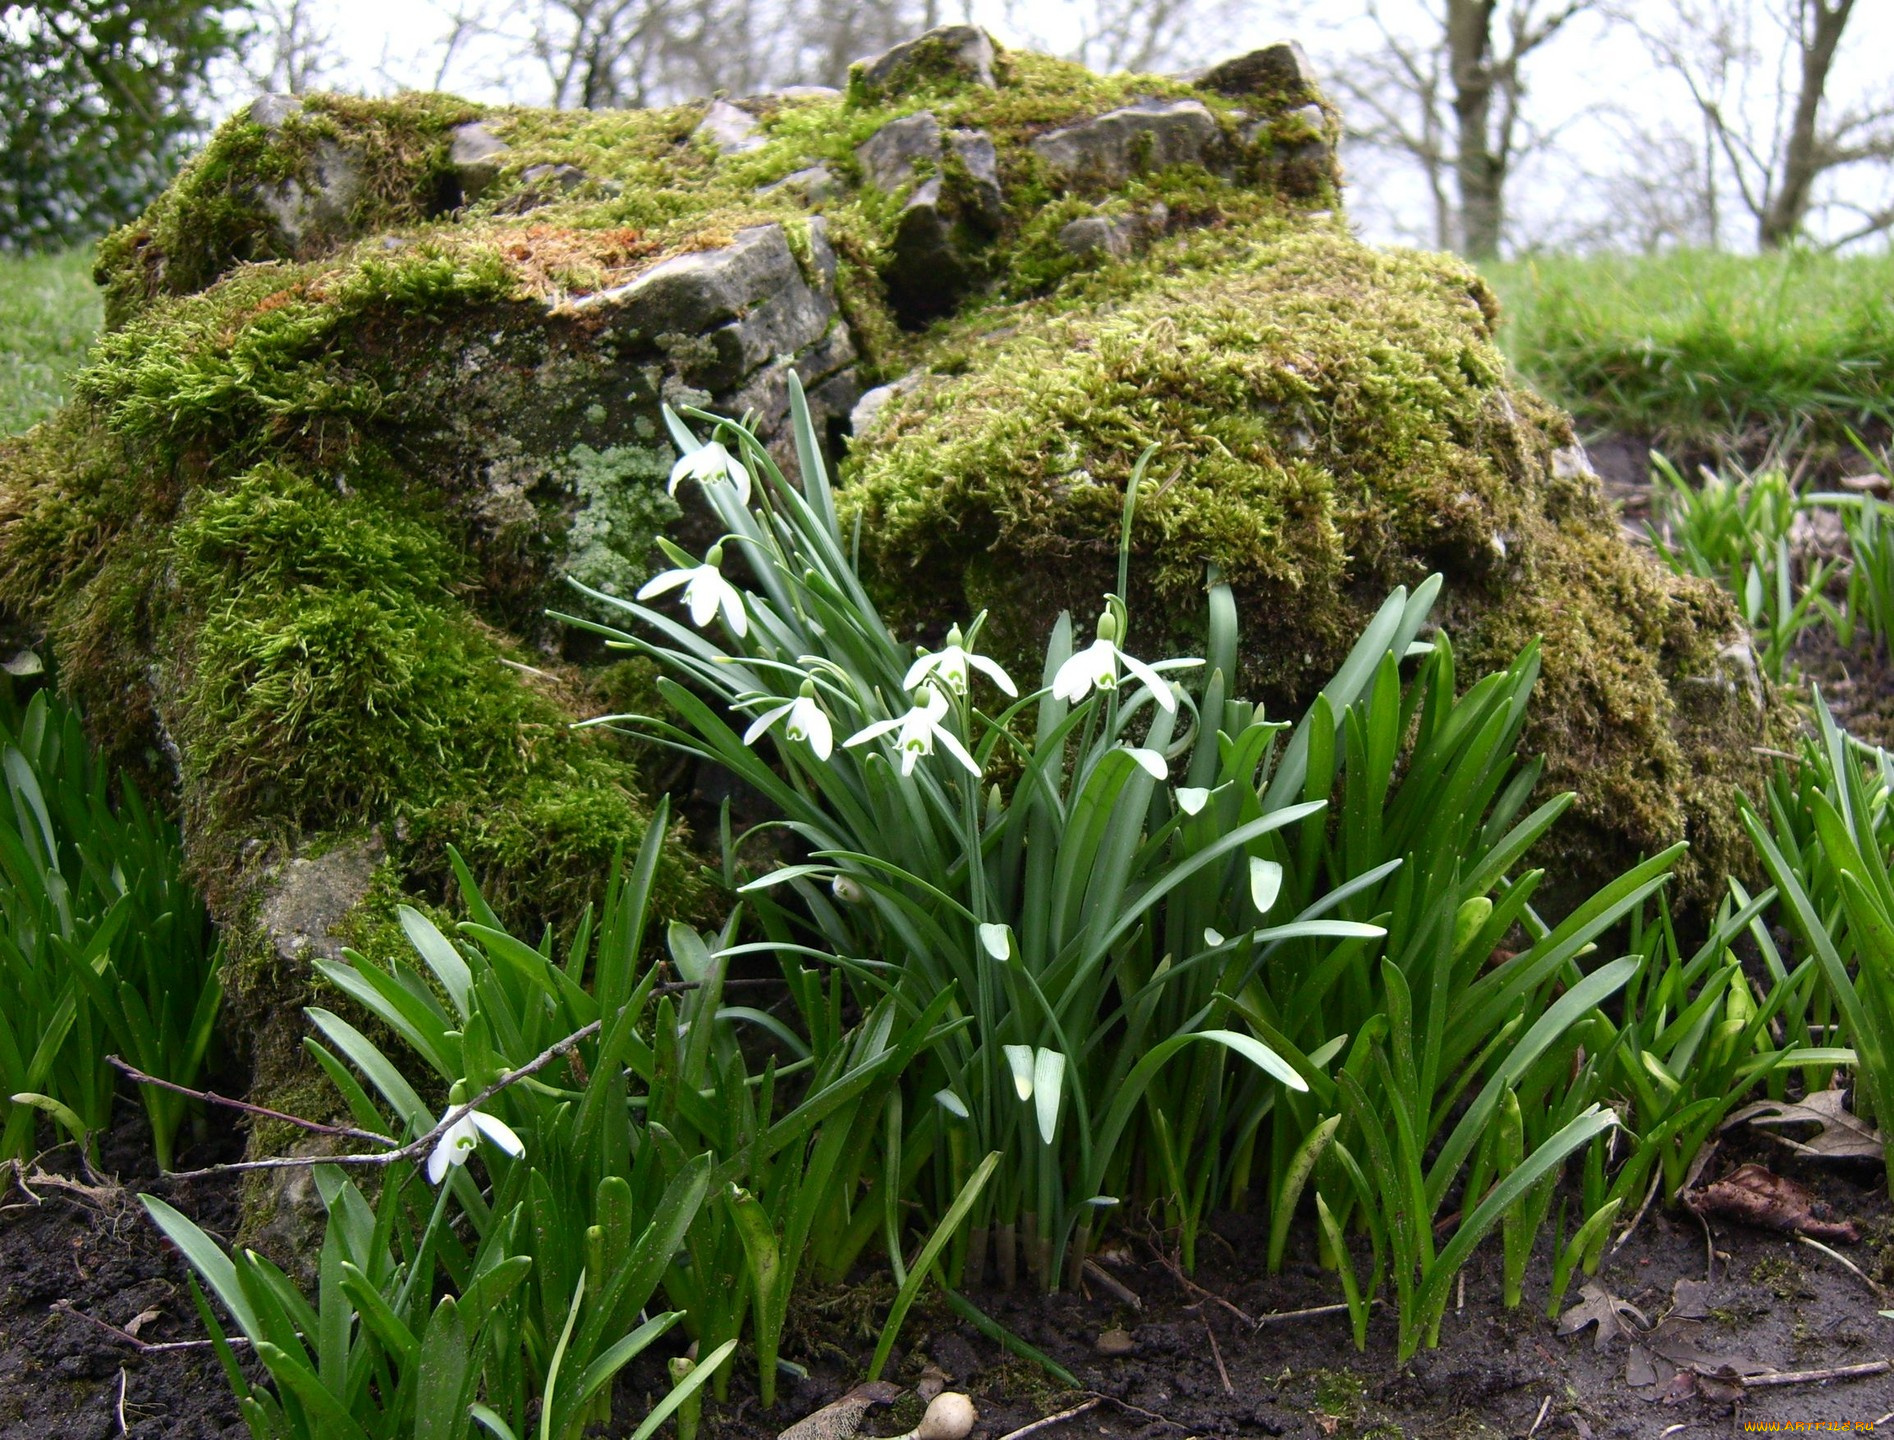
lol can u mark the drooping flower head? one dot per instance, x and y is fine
(950, 665)
(919, 729)
(1096, 667)
(706, 592)
(808, 723)
(460, 1139)
(711, 464)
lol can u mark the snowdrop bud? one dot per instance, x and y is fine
(808, 690)
(1108, 626)
(847, 890)
(715, 557)
(954, 637)
(950, 1416)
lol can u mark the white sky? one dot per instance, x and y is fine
(1588, 85)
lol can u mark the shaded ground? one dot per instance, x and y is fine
(84, 1245)
(1770, 1300)
(1193, 1366)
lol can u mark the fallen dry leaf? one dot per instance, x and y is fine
(840, 1419)
(1598, 1306)
(1841, 1135)
(1756, 1195)
(142, 1319)
(1689, 1300)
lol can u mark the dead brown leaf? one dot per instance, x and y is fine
(842, 1418)
(1841, 1135)
(1598, 1306)
(1756, 1195)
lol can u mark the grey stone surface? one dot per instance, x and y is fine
(730, 128)
(822, 253)
(889, 156)
(309, 898)
(1115, 235)
(872, 402)
(974, 149)
(942, 226)
(476, 154)
(1121, 143)
(1281, 69)
(721, 314)
(552, 179)
(814, 184)
(962, 50)
(273, 112)
(312, 209)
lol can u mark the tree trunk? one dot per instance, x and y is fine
(1480, 172)
(1782, 219)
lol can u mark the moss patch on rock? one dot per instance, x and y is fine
(1332, 420)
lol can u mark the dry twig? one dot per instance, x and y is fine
(1049, 1421)
(143, 1347)
(1816, 1377)
(1876, 1286)
(421, 1144)
(1216, 1352)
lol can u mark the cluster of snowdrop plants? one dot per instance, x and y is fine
(1197, 957)
(513, 1254)
(104, 950)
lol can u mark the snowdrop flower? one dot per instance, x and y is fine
(708, 464)
(1096, 667)
(463, 1135)
(807, 723)
(950, 664)
(919, 728)
(705, 592)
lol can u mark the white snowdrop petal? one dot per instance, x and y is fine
(1265, 883)
(996, 940)
(1020, 1059)
(1191, 799)
(1150, 762)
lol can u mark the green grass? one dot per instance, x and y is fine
(49, 312)
(1694, 347)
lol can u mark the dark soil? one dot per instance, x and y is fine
(77, 1242)
(1196, 1367)
(1771, 1300)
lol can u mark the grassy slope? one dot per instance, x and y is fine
(1693, 346)
(49, 312)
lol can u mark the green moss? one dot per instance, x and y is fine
(214, 217)
(248, 365)
(1331, 421)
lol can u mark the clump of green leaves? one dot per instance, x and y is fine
(1735, 529)
(103, 946)
(1153, 868)
(1825, 841)
(550, 1269)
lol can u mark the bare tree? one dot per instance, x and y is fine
(289, 51)
(1760, 74)
(1145, 34)
(1449, 97)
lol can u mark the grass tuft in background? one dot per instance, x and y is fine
(1701, 349)
(49, 312)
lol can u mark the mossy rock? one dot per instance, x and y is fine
(380, 375)
(1330, 420)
